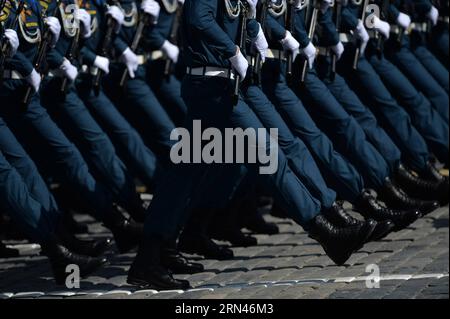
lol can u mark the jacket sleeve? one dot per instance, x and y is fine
(300, 32)
(348, 19)
(275, 31)
(203, 20)
(330, 35)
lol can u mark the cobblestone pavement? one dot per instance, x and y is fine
(413, 263)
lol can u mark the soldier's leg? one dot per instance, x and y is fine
(346, 134)
(36, 125)
(22, 163)
(433, 65)
(440, 43)
(168, 90)
(425, 118)
(299, 157)
(337, 170)
(77, 122)
(130, 145)
(17, 201)
(372, 91)
(419, 76)
(147, 115)
(366, 119)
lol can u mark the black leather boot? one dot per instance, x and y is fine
(256, 223)
(396, 198)
(421, 188)
(339, 217)
(339, 243)
(369, 207)
(6, 252)
(127, 233)
(177, 264)
(60, 257)
(147, 272)
(87, 247)
(204, 246)
(431, 173)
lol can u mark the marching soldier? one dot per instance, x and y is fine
(210, 30)
(410, 54)
(34, 128)
(369, 86)
(375, 135)
(130, 146)
(165, 54)
(75, 119)
(147, 115)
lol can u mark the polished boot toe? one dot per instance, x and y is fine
(420, 188)
(382, 229)
(177, 264)
(127, 233)
(370, 207)
(154, 277)
(60, 257)
(339, 243)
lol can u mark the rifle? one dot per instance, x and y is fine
(358, 48)
(266, 5)
(143, 21)
(289, 27)
(5, 49)
(241, 43)
(338, 28)
(173, 38)
(71, 55)
(39, 60)
(380, 38)
(311, 31)
(104, 49)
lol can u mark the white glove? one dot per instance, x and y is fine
(130, 59)
(69, 70)
(290, 44)
(85, 23)
(152, 8)
(181, 2)
(324, 5)
(362, 35)
(310, 53)
(240, 64)
(13, 40)
(102, 63)
(403, 20)
(171, 51)
(117, 14)
(252, 4)
(383, 27)
(338, 50)
(433, 15)
(34, 79)
(55, 29)
(260, 44)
